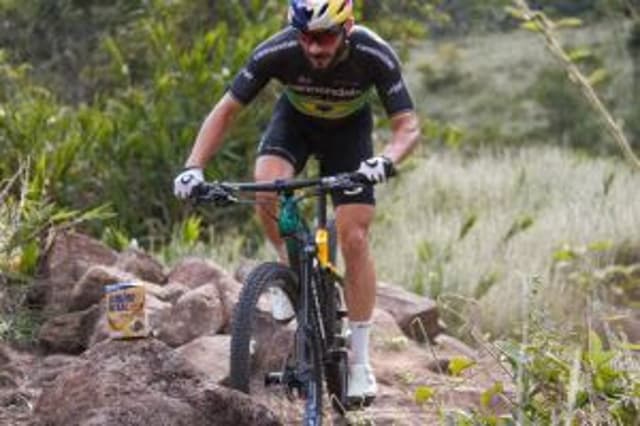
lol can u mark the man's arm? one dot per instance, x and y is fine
(405, 132)
(212, 132)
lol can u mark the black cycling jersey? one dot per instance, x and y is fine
(329, 94)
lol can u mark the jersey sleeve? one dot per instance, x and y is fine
(250, 79)
(389, 82)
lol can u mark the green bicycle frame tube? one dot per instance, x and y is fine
(290, 223)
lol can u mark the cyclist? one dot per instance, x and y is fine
(327, 66)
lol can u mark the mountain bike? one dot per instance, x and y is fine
(299, 355)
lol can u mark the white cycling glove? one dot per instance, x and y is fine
(187, 180)
(377, 169)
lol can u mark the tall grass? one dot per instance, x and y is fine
(479, 226)
(27, 219)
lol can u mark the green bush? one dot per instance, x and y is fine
(568, 117)
(125, 146)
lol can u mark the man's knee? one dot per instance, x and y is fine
(354, 239)
(353, 223)
(269, 168)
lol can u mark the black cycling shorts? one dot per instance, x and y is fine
(338, 145)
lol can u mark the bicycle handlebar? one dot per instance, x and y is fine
(223, 193)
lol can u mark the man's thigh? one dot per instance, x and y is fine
(284, 137)
(341, 150)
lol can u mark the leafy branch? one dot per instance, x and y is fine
(539, 22)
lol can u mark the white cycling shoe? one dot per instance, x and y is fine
(362, 383)
(281, 308)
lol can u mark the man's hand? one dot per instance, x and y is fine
(377, 169)
(187, 180)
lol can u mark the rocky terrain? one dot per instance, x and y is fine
(76, 375)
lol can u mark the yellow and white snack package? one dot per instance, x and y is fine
(126, 314)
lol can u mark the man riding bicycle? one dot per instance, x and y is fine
(327, 66)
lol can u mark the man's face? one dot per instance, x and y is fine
(321, 47)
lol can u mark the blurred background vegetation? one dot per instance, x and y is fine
(517, 194)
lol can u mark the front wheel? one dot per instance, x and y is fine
(260, 344)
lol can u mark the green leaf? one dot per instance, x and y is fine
(580, 54)
(487, 397)
(423, 394)
(459, 364)
(512, 352)
(598, 76)
(468, 224)
(565, 254)
(191, 230)
(515, 12)
(519, 225)
(630, 346)
(425, 251)
(533, 26)
(600, 246)
(115, 238)
(568, 23)
(29, 258)
(607, 182)
(485, 284)
(453, 137)
(595, 343)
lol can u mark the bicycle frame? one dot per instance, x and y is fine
(303, 248)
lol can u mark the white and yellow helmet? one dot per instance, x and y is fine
(318, 15)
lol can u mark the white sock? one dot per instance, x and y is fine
(360, 341)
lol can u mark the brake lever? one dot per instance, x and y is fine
(213, 192)
(349, 181)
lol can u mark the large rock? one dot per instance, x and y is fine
(141, 265)
(15, 395)
(229, 293)
(210, 354)
(244, 268)
(417, 316)
(169, 293)
(89, 290)
(67, 259)
(138, 383)
(384, 324)
(194, 272)
(69, 333)
(451, 344)
(196, 313)
(48, 368)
